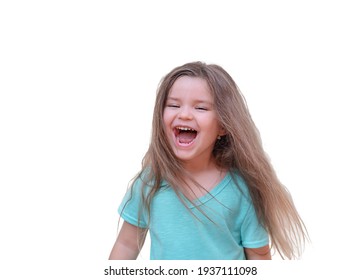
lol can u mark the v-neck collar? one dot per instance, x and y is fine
(212, 193)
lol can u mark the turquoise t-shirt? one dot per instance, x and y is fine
(230, 225)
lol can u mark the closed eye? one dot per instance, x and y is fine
(202, 108)
(172, 105)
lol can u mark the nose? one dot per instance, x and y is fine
(185, 113)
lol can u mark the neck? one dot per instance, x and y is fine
(200, 166)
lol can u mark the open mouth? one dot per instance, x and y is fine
(185, 135)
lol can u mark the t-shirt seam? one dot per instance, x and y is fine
(255, 244)
(130, 219)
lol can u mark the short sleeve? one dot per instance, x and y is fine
(253, 234)
(131, 209)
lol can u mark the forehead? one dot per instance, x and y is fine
(190, 88)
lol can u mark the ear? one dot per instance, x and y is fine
(222, 132)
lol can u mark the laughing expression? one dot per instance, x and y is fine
(190, 120)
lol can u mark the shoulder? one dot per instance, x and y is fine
(239, 187)
(239, 181)
(144, 182)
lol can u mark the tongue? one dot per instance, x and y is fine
(186, 136)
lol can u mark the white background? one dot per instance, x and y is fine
(77, 85)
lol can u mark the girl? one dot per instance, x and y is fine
(206, 189)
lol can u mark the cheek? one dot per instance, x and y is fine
(167, 122)
(212, 126)
(166, 119)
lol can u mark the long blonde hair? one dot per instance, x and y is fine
(239, 150)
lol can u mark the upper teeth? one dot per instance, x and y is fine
(184, 128)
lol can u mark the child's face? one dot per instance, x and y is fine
(190, 120)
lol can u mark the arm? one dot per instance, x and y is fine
(262, 253)
(129, 243)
